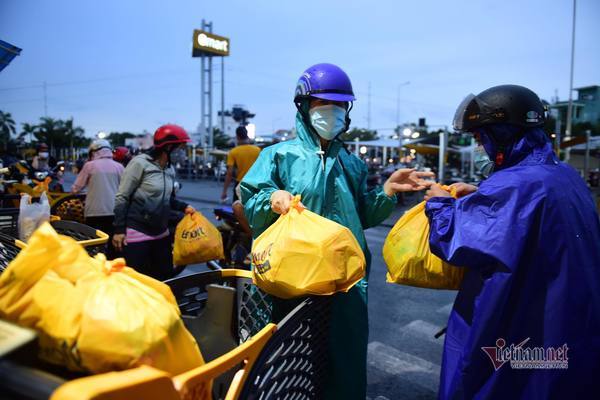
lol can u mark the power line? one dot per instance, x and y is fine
(97, 80)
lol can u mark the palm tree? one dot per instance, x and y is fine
(51, 131)
(73, 133)
(7, 127)
(27, 129)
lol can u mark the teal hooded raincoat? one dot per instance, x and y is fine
(333, 184)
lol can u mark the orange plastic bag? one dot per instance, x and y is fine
(304, 254)
(408, 257)
(196, 240)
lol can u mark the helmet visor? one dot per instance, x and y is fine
(460, 122)
(334, 96)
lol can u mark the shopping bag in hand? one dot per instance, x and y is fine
(196, 240)
(304, 254)
(409, 259)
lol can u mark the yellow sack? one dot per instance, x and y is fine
(304, 254)
(408, 257)
(141, 327)
(93, 315)
(196, 240)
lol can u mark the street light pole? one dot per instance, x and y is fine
(570, 108)
(398, 102)
(442, 154)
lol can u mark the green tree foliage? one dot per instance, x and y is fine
(57, 134)
(361, 133)
(118, 138)
(220, 140)
(7, 127)
(50, 131)
(27, 130)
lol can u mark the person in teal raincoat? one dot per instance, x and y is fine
(332, 183)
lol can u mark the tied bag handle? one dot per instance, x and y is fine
(296, 204)
(449, 189)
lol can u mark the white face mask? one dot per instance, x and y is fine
(43, 154)
(328, 120)
(482, 161)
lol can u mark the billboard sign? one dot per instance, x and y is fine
(205, 43)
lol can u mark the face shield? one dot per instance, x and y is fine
(466, 108)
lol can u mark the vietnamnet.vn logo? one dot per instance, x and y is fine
(521, 357)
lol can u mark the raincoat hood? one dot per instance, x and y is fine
(102, 153)
(532, 147)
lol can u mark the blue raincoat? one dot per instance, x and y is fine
(530, 240)
(332, 184)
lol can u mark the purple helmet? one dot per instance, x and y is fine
(324, 81)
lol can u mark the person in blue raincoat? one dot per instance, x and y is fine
(526, 321)
(332, 183)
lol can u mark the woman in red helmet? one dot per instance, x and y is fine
(144, 202)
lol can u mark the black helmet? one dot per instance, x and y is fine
(507, 104)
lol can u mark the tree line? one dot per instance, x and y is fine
(58, 134)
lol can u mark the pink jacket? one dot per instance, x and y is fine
(102, 176)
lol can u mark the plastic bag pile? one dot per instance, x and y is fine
(94, 315)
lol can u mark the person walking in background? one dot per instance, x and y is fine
(529, 239)
(101, 176)
(241, 159)
(144, 202)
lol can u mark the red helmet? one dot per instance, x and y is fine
(170, 134)
(120, 154)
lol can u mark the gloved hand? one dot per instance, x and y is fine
(407, 180)
(436, 190)
(119, 241)
(463, 189)
(189, 210)
(280, 201)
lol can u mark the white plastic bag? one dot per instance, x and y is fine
(32, 215)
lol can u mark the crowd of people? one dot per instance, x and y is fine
(528, 235)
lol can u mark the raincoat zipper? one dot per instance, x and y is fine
(321, 153)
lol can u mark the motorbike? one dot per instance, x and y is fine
(22, 177)
(236, 243)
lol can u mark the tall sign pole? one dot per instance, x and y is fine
(570, 108)
(223, 95)
(206, 45)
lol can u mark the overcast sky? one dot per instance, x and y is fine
(127, 65)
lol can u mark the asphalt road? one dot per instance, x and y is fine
(403, 356)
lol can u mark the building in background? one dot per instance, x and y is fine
(140, 142)
(238, 115)
(586, 108)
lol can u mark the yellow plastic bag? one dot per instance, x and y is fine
(93, 315)
(141, 327)
(304, 254)
(408, 257)
(196, 240)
